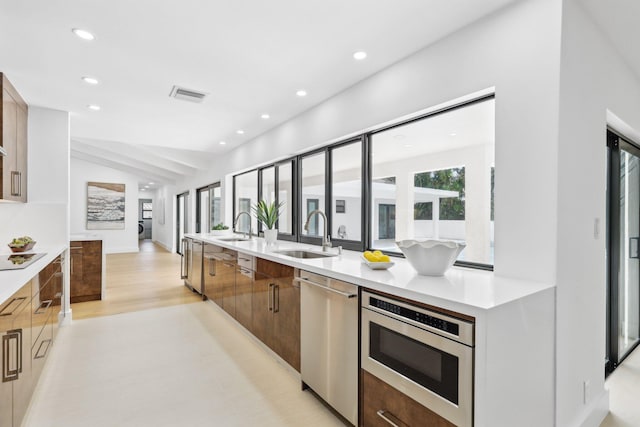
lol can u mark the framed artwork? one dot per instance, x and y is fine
(105, 206)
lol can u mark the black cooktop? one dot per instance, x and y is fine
(18, 261)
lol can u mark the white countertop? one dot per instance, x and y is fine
(12, 280)
(466, 290)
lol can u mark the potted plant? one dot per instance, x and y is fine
(220, 230)
(268, 214)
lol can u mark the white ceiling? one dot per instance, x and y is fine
(249, 56)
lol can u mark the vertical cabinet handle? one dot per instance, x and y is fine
(16, 183)
(183, 267)
(11, 371)
(271, 296)
(212, 267)
(276, 298)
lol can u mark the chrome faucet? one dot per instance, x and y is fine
(235, 222)
(326, 241)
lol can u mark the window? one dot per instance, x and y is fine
(313, 192)
(435, 175)
(285, 180)
(245, 188)
(147, 210)
(346, 191)
(208, 213)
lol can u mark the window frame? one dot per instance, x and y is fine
(199, 191)
(366, 238)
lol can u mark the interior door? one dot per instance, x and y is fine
(624, 249)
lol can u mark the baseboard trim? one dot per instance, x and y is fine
(158, 242)
(123, 250)
(596, 412)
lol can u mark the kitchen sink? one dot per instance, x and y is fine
(304, 254)
(234, 239)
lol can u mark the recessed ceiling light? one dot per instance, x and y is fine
(151, 183)
(265, 116)
(222, 143)
(360, 55)
(301, 92)
(90, 80)
(239, 131)
(408, 145)
(146, 186)
(93, 107)
(142, 189)
(453, 134)
(83, 34)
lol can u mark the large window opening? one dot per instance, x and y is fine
(437, 174)
(245, 188)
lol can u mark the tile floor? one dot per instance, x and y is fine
(624, 391)
(185, 365)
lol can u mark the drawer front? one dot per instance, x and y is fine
(41, 347)
(13, 306)
(41, 310)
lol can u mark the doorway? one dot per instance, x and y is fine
(145, 216)
(623, 291)
(386, 221)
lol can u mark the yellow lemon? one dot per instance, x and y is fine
(384, 258)
(370, 256)
(377, 253)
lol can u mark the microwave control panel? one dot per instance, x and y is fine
(415, 315)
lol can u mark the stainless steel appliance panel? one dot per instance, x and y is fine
(431, 368)
(329, 341)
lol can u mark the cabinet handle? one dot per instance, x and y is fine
(46, 303)
(271, 296)
(276, 298)
(46, 349)
(326, 288)
(18, 302)
(182, 260)
(16, 183)
(212, 267)
(385, 416)
(9, 374)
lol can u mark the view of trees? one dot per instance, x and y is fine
(447, 179)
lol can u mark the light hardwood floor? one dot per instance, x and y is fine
(139, 281)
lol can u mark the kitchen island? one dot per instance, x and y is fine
(514, 322)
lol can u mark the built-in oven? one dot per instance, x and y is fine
(425, 354)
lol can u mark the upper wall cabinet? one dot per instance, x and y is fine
(13, 140)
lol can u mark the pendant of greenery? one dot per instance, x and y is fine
(267, 213)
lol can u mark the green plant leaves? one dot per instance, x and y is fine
(267, 213)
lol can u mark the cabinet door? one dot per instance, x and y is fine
(286, 320)
(208, 278)
(9, 143)
(195, 276)
(228, 284)
(381, 402)
(21, 154)
(23, 386)
(75, 270)
(262, 304)
(244, 300)
(92, 268)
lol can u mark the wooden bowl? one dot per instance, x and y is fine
(25, 248)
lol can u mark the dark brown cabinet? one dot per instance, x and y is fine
(244, 297)
(86, 270)
(13, 164)
(27, 324)
(218, 270)
(276, 310)
(383, 405)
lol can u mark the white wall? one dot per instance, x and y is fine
(45, 216)
(593, 80)
(517, 52)
(114, 241)
(164, 232)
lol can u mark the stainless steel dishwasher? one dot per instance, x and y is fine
(329, 341)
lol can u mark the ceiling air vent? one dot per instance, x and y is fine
(187, 94)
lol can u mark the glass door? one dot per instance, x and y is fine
(624, 256)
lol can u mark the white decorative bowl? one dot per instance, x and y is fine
(431, 257)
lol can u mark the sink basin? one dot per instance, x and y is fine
(304, 254)
(234, 239)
